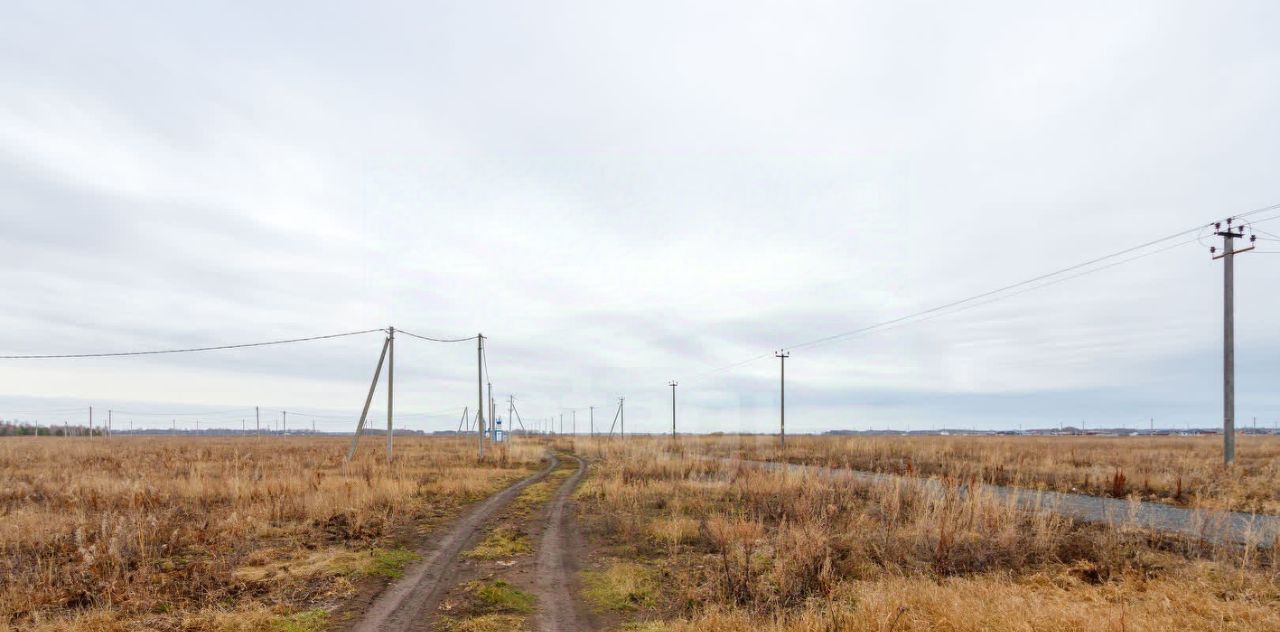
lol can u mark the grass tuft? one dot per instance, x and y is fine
(503, 542)
(500, 597)
(620, 587)
(312, 620)
(482, 623)
(390, 563)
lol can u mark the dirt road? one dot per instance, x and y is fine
(409, 603)
(558, 564)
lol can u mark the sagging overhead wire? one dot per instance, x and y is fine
(998, 294)
(189, 350)
(430, 339)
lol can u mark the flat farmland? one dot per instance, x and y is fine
(685, 542)
(220, 533)
(1181, 471)
(646, 533)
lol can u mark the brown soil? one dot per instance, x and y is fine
(410, 602)
(556, 574)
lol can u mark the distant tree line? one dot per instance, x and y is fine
(17, 429)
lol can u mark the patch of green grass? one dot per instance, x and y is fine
(306, 621)
(535, 494)
(645, 626)
(390, 563)
(499, 596)
(482, 623)
(504, 542)
(620, 587)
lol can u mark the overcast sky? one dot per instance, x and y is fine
(622, 194)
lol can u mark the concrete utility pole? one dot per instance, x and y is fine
(591, 423)
(364, 414)
(673, 385)
(1255, 422)
(391, 384)
(573, 421)
(622, 417)
(561, 423)
(257, 421)
(91, 421)
(1229, 235)
(782, 355)
(511, 411)
(480, 391)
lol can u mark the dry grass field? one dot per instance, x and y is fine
(695, 544)
(218, 533)
(1184, 471)
(279, 534)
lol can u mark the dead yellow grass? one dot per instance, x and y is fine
(1185, 471)
(740, 548)
(119, 533)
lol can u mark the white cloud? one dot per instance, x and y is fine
(622, 194)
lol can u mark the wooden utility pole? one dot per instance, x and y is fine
(673, 384)
(1229, 235)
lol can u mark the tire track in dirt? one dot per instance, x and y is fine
(409, 603)
(557, 564)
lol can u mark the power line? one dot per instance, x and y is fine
(430, 339)
(988, 293)
(190, 350)
(191, 414)
(485, 358)
(1032, 280)
(1004, 292)
(906, 320)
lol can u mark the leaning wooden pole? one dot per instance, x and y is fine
(377, 372)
